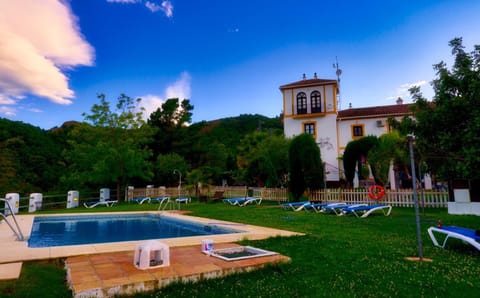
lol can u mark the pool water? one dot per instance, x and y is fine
(75, 230)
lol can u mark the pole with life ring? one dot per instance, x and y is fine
(376, 192)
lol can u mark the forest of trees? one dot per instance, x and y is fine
(114, 147)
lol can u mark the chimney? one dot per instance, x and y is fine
(315, 75)
(304, 77)
(399, 101)
(350, 105)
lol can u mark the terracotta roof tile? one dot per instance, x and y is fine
(307, 83)
(368, 112)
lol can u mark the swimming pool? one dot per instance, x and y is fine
(50, 231)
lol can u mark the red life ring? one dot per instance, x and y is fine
(376, 192)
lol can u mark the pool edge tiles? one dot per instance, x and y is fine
(14, 251)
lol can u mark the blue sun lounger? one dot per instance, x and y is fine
(243, 201)
(319, 207)
(232, 201)
(335, 208)
(185, 200)
(249, 200)
(296, 206)
(363, 210)
(140, 200)
(467, 235)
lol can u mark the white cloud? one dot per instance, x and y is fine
(179, 89)
(168, 8)
(152, 6)
(402, 90)
(4, 100)
(165, 6)
(7, 111)
(38, 41)
(150, 103)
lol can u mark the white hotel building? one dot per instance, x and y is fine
(310, 106)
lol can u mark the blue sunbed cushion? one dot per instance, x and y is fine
(296, 203)
(363, 208)
(463, 231)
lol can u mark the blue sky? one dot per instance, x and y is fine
(228, 57)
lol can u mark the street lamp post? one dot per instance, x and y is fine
(411, 139)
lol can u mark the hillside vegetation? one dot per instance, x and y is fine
(38, 160)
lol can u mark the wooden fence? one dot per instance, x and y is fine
(396, 198)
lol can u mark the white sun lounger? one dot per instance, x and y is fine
(363, 210)
(467, 235)
(109, 203)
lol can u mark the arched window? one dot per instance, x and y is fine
(301, 103)
(316, 102)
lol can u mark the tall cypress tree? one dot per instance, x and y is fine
(305, 165)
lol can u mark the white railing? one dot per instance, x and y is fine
(396, 198)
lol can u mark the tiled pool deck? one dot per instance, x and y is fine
(105, 275)
(185, 254)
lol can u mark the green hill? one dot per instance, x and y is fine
(31, 159)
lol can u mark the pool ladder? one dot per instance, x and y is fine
(169, 205)
(18, 231)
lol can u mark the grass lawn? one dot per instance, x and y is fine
(339, 257)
